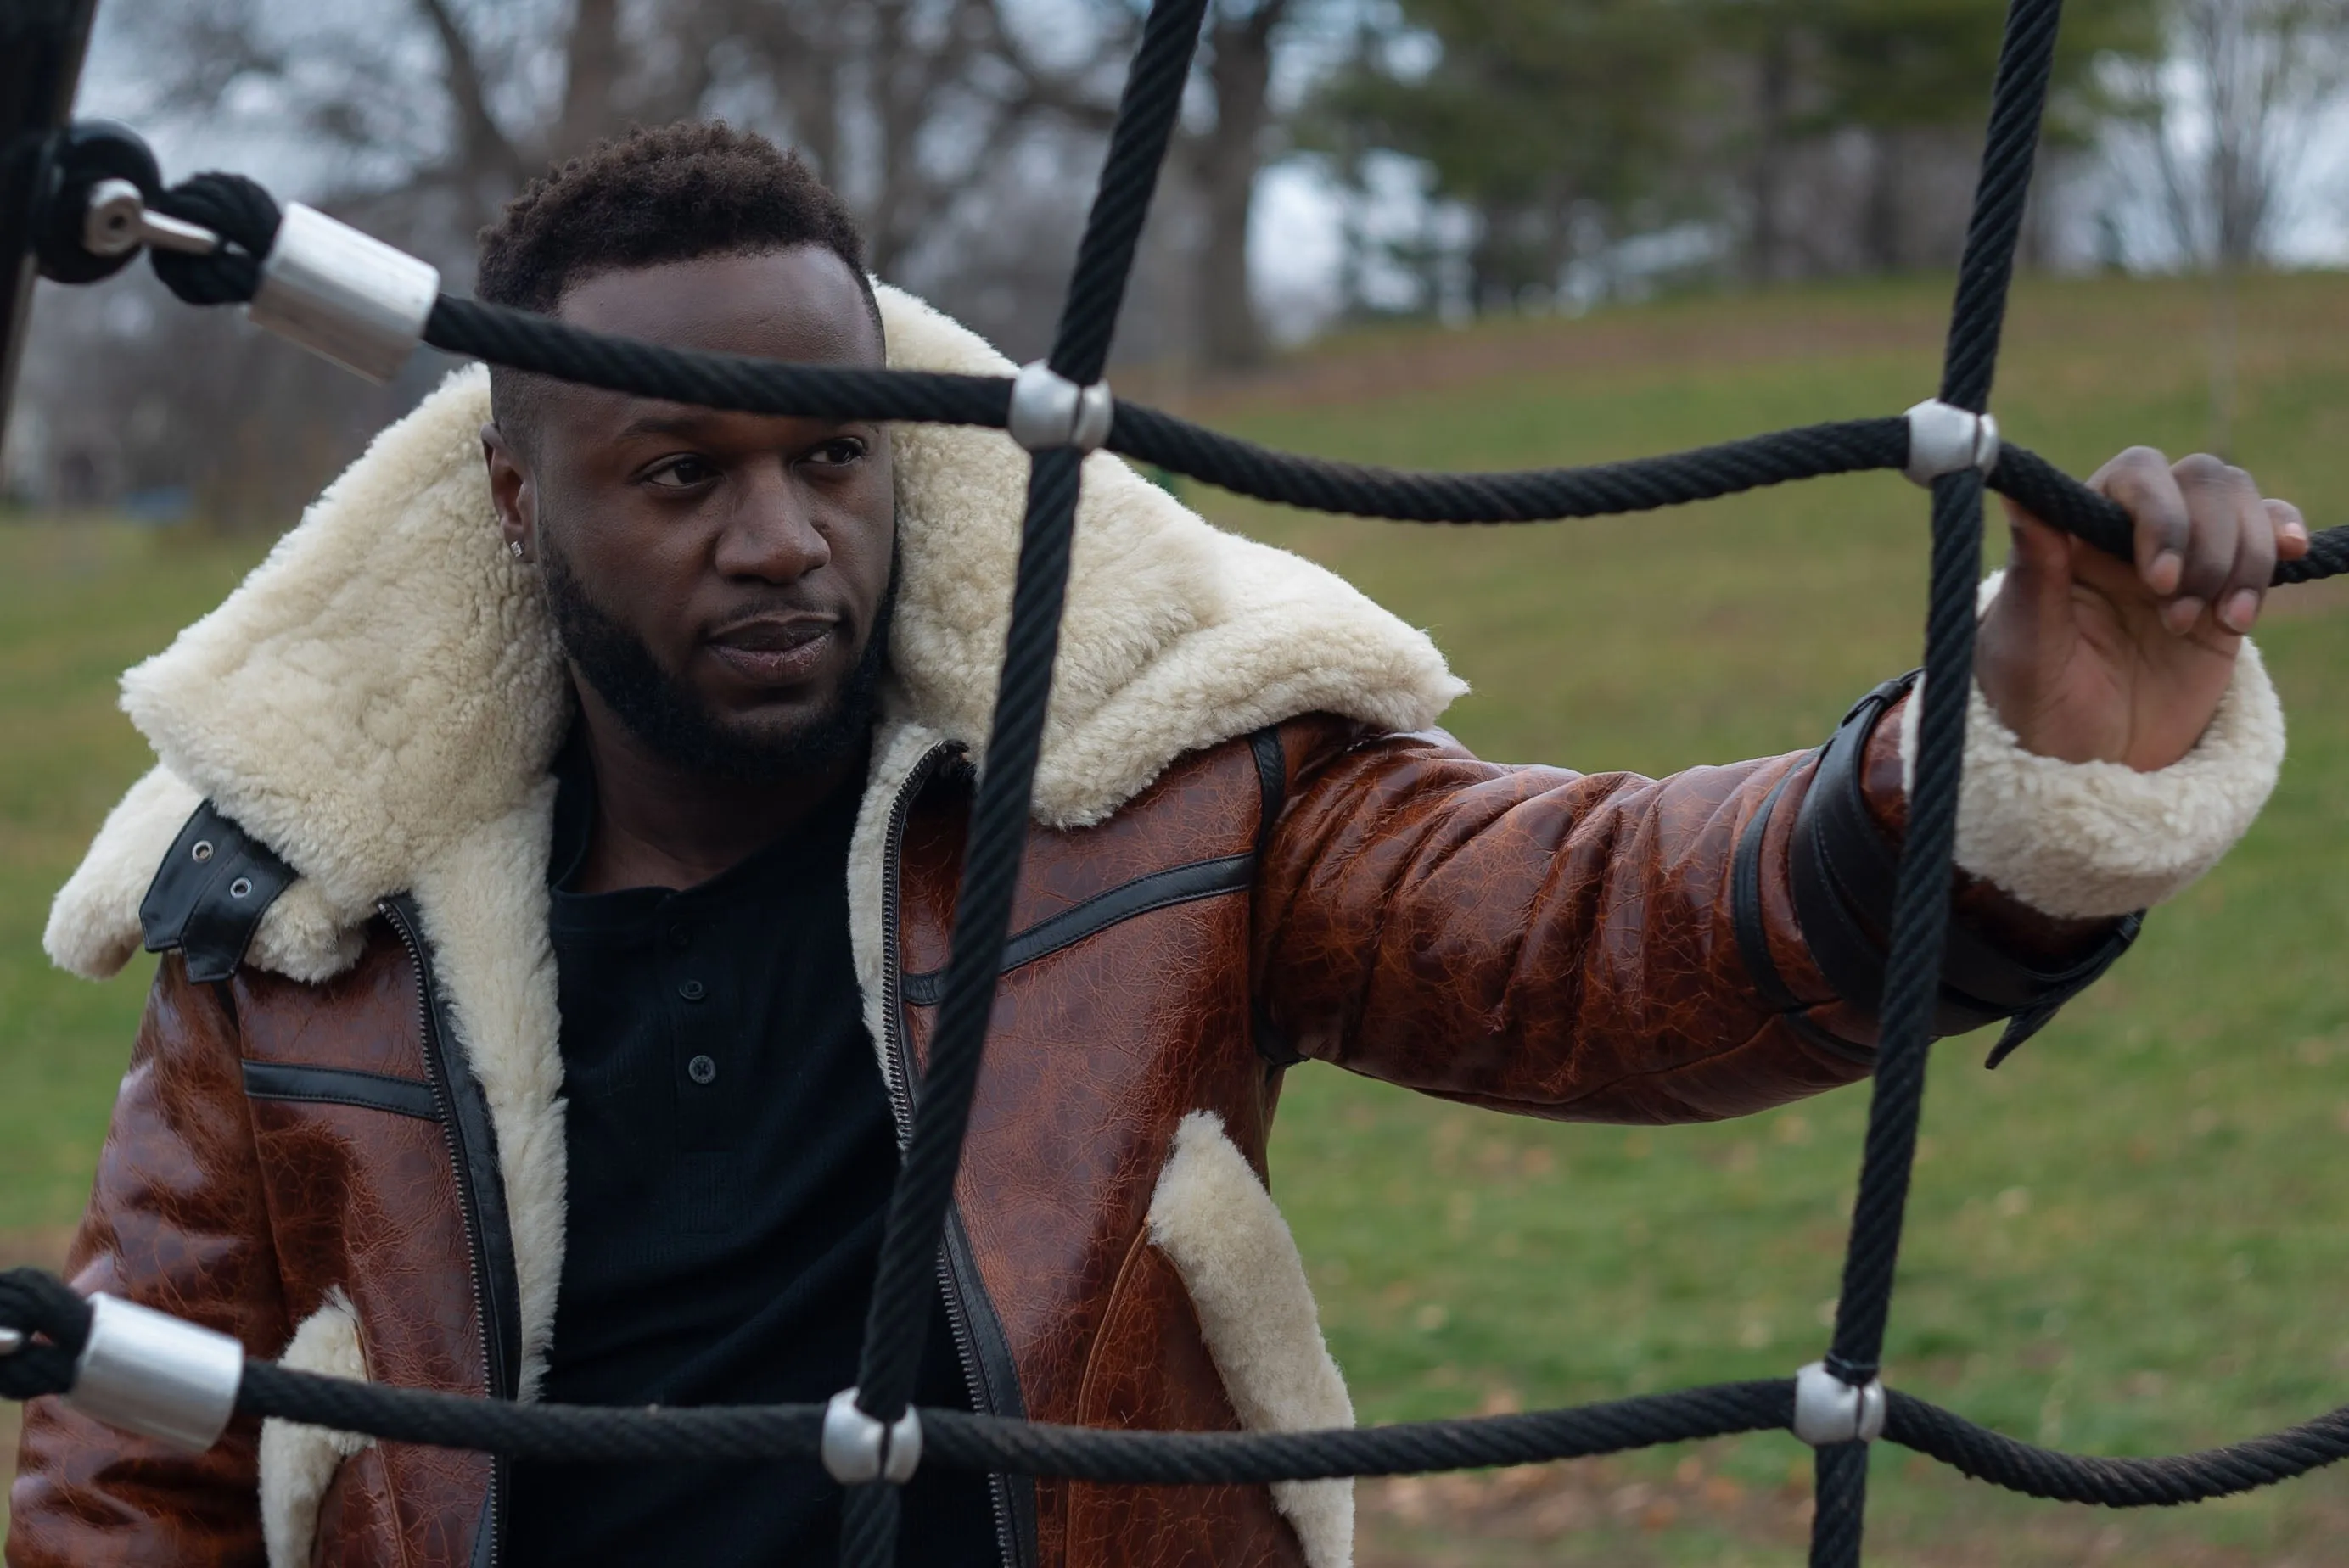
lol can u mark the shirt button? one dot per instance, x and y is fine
(692, 991)
(701, 1071)
(680, 937)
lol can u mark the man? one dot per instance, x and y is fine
(553, 852)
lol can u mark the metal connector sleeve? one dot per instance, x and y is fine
(147, 1372)
(1829, 1410)
(1944, 439)
(858, 1449)
(344, 294)
(1050, 410)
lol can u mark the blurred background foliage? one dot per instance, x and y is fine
(1340, 161)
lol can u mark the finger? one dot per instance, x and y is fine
(2214, 494)
(2141, 480)
(2291, 529)
(2238, 604)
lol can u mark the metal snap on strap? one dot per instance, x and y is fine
(1944, 439)
(1829, 1410)
(147, 1372)
(858, 1449)
(1050, 410)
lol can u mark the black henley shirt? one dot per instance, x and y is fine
(730, 1151)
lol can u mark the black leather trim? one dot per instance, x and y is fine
(998, 1375)
(1746, 904)
(210, 893)
(1176, 884)
(1271, 781)
(1846, 874)
(340, 1085)
(1754, 941)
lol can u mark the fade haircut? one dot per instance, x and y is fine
(672, 193)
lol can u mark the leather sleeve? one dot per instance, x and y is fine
(1555, 943)
(177, 1221)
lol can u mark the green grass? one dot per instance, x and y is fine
(2133, 1238)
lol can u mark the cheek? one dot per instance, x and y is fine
(640, 571)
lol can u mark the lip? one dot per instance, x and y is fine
(775, 653)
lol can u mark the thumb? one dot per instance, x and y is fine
(2038, 584)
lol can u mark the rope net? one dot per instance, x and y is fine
(54, 1323)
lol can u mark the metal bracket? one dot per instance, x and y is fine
(858, 1449)
(1829, 1410)
(1944, 439)
(147, 1372)
(118, 223)
(1048, 410)
(344, 294)
(12, 1340)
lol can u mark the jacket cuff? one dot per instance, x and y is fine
(2090, 841)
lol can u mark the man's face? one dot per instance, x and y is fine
(720, 580)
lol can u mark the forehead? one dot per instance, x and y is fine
(802, 304)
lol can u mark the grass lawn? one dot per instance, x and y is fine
(2128, 1239)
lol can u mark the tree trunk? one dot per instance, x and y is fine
(592, 60)
(1880, 223)
(1226, 159)
(1774, 86)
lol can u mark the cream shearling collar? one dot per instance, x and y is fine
(387, 682)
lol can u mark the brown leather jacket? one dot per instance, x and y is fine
(1522, 938)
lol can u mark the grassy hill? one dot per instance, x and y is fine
(2132, 1238)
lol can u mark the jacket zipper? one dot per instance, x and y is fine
(898, 1071)
(444, 1101)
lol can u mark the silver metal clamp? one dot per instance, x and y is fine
(117, 222)
(147, 1372)
(344, 294)
(1829, 1410)
(1048, 410)
(12, 1340)
(1944, 439)
(858, 1449)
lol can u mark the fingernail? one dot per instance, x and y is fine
(2166, 568)
(2296, 531)
(2243, 609)
(2181, 614)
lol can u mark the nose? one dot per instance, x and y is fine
(770, 534)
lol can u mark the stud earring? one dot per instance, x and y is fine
(514, 548)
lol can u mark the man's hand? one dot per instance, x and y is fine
(2087, 658)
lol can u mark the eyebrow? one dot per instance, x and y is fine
(684, 423)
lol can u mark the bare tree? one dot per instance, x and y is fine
(2227, 120)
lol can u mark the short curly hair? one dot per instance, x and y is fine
(666, 193)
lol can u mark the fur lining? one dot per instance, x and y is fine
(485, 906)
(297, 1462)
(1218, 1227)
(897, 750)
(2095, 839)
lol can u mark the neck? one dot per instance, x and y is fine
(660, 825)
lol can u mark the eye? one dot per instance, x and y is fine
(838, 452)
(684, 471)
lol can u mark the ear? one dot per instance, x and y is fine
(512, 492)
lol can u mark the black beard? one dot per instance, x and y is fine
(674, 723)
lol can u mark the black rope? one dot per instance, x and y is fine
(601, 1435)
(1921, 912)
(898, 1316)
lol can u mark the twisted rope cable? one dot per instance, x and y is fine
(897, 1314)
(1921, 912)
(36, 1303)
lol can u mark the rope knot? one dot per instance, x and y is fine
(43, 1327)
(240, 211)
